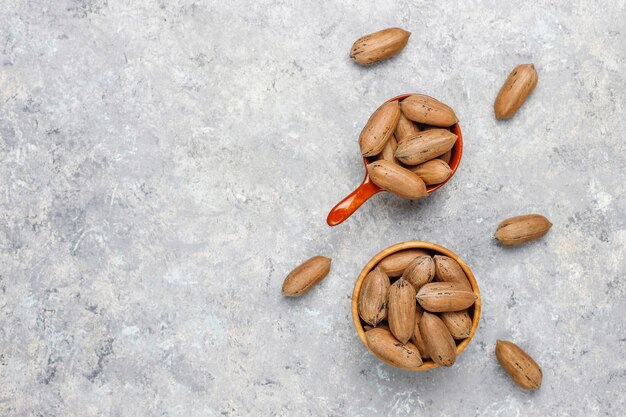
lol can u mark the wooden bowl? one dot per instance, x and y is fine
(434, 249)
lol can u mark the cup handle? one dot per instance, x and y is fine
(346, 207)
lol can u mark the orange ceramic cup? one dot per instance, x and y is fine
(346, 207)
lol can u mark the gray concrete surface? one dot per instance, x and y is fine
(164, 164)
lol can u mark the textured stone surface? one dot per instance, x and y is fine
(166, 163)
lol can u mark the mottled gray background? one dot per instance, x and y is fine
(164, 164)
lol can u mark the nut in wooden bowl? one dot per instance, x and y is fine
(444, 344)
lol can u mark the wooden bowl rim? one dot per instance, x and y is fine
(414, 244)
